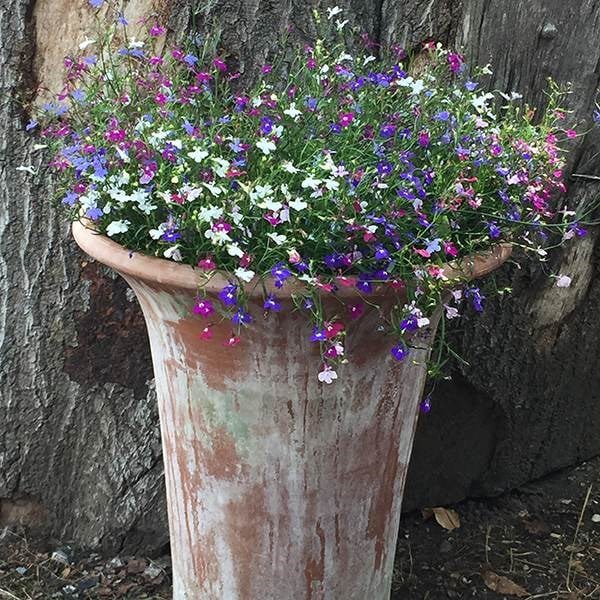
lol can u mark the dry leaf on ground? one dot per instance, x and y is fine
(503, 585)
(447, 518)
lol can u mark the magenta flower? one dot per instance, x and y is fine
(204, 307)
(157, 30)
(346, 118)
(219, 64)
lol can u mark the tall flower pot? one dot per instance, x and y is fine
(278, 487)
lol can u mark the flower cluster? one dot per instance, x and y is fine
(339, 170)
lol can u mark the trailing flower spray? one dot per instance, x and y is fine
(334, 170)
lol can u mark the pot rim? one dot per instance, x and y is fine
(168, 273)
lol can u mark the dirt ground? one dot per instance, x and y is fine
(540, 541)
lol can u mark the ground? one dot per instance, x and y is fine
(539, 541)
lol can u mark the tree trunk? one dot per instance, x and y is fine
(79, 442)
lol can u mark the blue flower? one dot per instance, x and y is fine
(271, 303)
(241, 317)
(228, 295)
(399, 351)
(96, 3)
(318, 335)
(476, 297)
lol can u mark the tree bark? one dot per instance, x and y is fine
(79, 440)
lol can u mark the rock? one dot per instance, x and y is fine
(60, 556)
(152, 571)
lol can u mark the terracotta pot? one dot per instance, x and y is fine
(278, 487)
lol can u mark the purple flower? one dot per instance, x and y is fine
(94, 213)
(70, 199)
(228, 295)
(494, 230)
(399, 351)
(266, 125)
(241, 317)
(318, 335)
(384, 168)
(78, 95)
(311, 103)
(96, 3)
(363, 284)
(596, 116)
(426, 405)
(381, 252)
(190, 59)
(410, 323)
(271, 303)
(280, 273)
(476, 297)
(443, 115)
(31, 125)
(387, 131)
(471, 85)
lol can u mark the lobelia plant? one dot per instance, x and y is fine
(335, 169)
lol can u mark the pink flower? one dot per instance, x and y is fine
(233, 340)
(450, 249)
(333, 329)
(206, 334)
(207, 264)
(571, 133)
(266, 69)
(455, 61)
(356, 311)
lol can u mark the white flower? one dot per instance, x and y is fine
(234, 250)
(270, 204)
(563, 281)
(156, 234)
(292, 111)
(87, 42)
(422, 322)
(221, 166)
(417, 87)
(332, 12)
(368, 60)
(266, 146)
(289, 167)
(327, 375)
(277, 238)
(173, 253)
(39, 146)
(297, 204)
(332, 184)
(339, 25)
(27, 169)
(260, 192)
(123, 155)
(198, 155)
(117, 227)
(215, 190)
(217, 237)
(244, 274)
(451, 312)
(480, 102)
(311, 182)
(343, 56)
(209, 213)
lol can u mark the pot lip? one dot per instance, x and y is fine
(151, 269)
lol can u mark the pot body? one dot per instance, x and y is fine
(280, 487)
